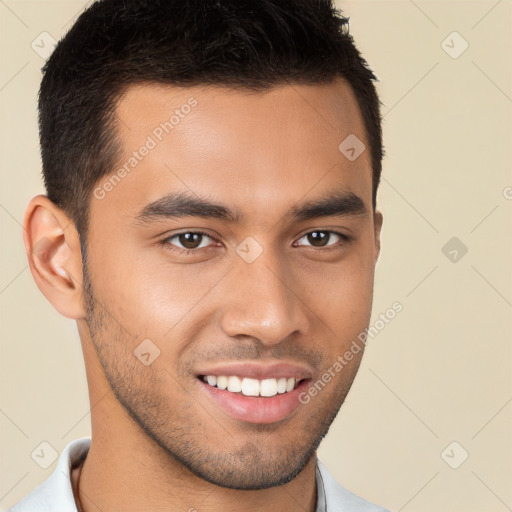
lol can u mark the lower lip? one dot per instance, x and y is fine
(256, 409)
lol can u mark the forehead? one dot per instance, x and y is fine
(258, 151)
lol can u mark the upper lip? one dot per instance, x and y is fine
(261, 370)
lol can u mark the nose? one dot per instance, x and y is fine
(260, 301)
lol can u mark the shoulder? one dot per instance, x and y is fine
(339, 499)
(56, 492)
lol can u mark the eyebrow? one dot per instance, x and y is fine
(185, 204)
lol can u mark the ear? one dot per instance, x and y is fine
(53, 250)
(377, 222)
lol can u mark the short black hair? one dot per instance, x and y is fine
(242, 44)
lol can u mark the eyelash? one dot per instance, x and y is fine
(180, 250)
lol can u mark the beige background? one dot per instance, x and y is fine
(440, 371)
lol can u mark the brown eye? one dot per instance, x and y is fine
(322, 238)
(189, 240)
(318, 238)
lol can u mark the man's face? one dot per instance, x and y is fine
(273, 292)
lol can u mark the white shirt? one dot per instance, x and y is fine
(56, 493)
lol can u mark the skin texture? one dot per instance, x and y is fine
(158, 441)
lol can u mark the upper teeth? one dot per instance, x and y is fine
(251, 387)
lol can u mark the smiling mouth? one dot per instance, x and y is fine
(252, 387)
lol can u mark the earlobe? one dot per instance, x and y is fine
(53, 251)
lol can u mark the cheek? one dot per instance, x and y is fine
(147, 294)
(341, 294)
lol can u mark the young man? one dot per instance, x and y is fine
(211, 171)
